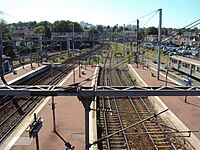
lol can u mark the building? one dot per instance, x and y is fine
(151, 38)
(86, 25)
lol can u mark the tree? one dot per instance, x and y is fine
(165, 31)
(8, 45)
(39, 30)
(61, 26)
(120, 28)
(77, 27)
(108, 28)
(115, 28)
(44, 29)
(151, 31)
(92, 31)
(66, 26)
(100, 28)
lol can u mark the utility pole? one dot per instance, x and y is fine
(137, 52)
(159, 42)
(73, 48)
(1, 53)
(45, 39)
(60, 47)
(39, 51)
(68, 46)
(124, 40)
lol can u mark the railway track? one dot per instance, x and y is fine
(14, 109)
(130, 122)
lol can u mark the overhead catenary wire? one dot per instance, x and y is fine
(192, 23)
(151, 18)
(145, 16)
(195, 23)
(6, 14)
(141, 24)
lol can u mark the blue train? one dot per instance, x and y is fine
(7, 64)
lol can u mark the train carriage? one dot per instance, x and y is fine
(186, 65)
(7, 64)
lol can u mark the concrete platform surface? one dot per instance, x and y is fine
(188, 112)
(70, 123)
(10, 77)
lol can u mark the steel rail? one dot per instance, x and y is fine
(105, 117)
(117, 109)
(120, 120)
(147, 110)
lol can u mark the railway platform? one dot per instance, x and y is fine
(69, 129)
(183, 114)
(20, 72)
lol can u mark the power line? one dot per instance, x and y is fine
(151, 18)
(144, 16)
(183, 29)
(6, 14)
(192, 23)
(195, 25)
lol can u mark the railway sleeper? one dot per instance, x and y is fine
(153, 129)
(164, 147)
(150, 126)
(160, 140)
(157, 135)
(114, 143)
(111, 130)
(113, 124)
(109, 119)
(160, 143)
(117, 138)
(118, 147)
(112, 117)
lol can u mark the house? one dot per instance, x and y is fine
(64, 36)
(151, 38)
(21, 32)
(196, 41)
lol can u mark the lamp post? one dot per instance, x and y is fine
(73, 51)
(1, 59)
(159, 43)
(1, 53)
(123, 40)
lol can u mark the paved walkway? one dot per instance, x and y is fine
(188, 113)
(70, 123)
(20, 72)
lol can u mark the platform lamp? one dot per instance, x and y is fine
(1, 51)
(73, 51)
(1, 59)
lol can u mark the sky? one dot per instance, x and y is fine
(175, 13)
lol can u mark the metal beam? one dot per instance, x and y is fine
(50, 90)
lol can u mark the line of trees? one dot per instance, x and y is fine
(45, 28)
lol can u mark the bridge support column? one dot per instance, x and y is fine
(86, 104)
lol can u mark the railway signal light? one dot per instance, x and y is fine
(34, 129)
(35, 126)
